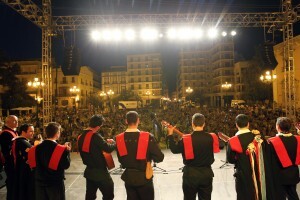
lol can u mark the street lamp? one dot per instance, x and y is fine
(109, 93)
(148, 94)
(74, 90)
(268, 78)
(189, 90)
(37, 84)
(226, 86)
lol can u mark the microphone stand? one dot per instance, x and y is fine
(226, 163)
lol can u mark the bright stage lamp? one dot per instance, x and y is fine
(233, 33)
(149, 34)
(129, 35)
(116, 35)
(171, 34)
(95, 35)
(212, 33)
(224, 34)
(185, 33)
(107, 35)
(197, 33)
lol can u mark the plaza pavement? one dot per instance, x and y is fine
(167, 180)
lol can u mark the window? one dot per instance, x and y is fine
(73, 79)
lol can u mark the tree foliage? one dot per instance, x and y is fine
(127, 95)
(14, 94)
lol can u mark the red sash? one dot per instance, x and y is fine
(13, 134)
(235, 144)
(282, 153)
(56, 156)
(188, 145)
(31, 157)
(215, 142)
(141, 149)
(86, 148)
(13, 151)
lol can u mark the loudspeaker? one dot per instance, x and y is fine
(268, 56)
(71, 64)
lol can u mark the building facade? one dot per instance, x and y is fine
(279, 83)
(207, 69)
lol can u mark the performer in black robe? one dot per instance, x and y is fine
(250, 182)
(197, 151)
(6, 136)
(49, 181)
(96, 173)
(285, 155)
(24, 184)
(138, 187)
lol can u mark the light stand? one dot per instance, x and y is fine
(117, 171)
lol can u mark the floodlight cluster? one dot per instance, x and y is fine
(152, 34)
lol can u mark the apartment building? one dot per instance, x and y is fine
(144, 73)
(278, 83)
(115, 79)
(208, 69)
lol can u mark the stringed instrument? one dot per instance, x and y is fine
(110, 164)
(223, 137)
(166, 124)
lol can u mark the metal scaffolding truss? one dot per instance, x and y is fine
(164, 20)
(49, 24)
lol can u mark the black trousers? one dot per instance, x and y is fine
(106, 187)
(289, 192)
(203, 191)
(50, 192)
(144, 192)
(9, 170)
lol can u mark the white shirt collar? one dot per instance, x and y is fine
(132, 130)
(284, 134)
(243, 130)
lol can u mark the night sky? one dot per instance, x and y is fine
(20, 39)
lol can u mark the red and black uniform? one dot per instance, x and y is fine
(91, 146)
(134, 150)
(49, 160)
(197, 151)
(6, 137)
(237, 154)
(24, 182)
(285, 151)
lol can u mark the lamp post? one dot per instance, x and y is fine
(109, 93)
(148, 94)
(226, 86)
(74, 90)
(268, 78)
(37, 84)
(189, 90)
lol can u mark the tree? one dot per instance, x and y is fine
(126, 95)
(14, 94)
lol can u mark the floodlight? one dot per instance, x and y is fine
(171, 33)
(95, 35)
(233, 33)
(106, 34)
(197, 33)
(129, 35)
(185, 33)
(212, 33)
(224, 33)
(149, 34)
(116, 35)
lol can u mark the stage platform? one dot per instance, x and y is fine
(167, 180)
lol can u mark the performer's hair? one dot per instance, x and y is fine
(284, 124)
(242, 120)
(132, 117)
(51, 129)
(96, 120)
(198, 119)
(24, 127)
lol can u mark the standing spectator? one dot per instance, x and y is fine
(252, 177)
(134, 149)
(91, 146)
(24, 182)
(6, 136)
(197, 151)
(50, 160)
(285, 159)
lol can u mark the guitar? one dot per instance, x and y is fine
(223, 137)
(166, 124)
